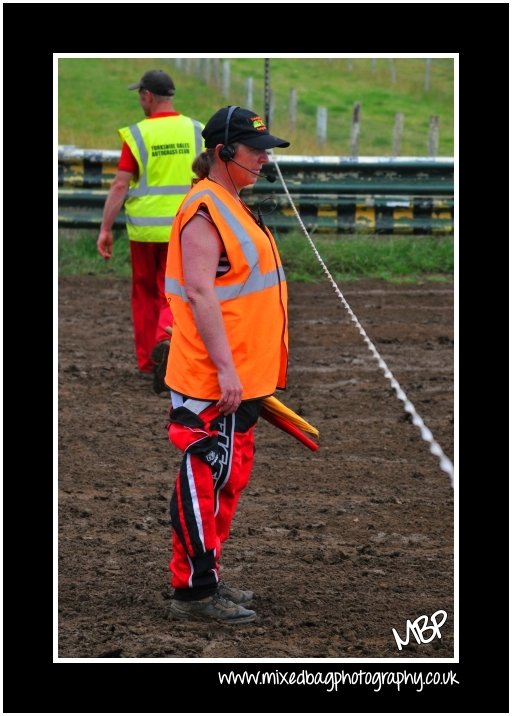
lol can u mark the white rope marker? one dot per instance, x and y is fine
(444, 462)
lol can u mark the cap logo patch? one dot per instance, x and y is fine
(258, 123)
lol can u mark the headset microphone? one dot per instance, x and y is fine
(268, 177)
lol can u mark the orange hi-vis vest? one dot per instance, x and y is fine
(252, 295)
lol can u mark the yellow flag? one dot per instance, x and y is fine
(273, 405)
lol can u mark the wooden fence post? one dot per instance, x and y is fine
(321, 124)
(427, 74)
(397, 134)
(272, 107)
(392, 71)
(216, 71)
(250, 86)
(206, 70)
(225, 79)
(354, 134)
(292, 116)
(433, 136)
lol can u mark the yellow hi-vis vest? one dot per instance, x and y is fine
(164, 148)
(252, 295)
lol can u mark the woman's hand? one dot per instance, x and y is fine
(231, 391)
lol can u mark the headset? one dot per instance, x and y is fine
(227, 152)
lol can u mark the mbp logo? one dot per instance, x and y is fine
(421, 625)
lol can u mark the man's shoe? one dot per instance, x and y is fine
(212, 608)
(238, 596)
(159, 356)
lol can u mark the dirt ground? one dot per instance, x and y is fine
(340, 545)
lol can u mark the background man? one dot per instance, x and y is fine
(154, 174)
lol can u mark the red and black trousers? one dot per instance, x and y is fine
(216, 467)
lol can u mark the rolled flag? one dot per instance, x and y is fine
(278, 414)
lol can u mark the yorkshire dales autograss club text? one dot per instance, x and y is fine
(333, 679)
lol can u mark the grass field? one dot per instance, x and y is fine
(93, 101)
(398, 259)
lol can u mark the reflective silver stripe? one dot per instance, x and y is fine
(198, 137)
(225, 293)
(252, 285)
(149, 220)
(155, 190)
(143, 189)
(246, 243)
(257, 281)
(143, 153)
(174, 287)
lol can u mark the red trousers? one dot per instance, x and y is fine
(150, 310)
(217, 463)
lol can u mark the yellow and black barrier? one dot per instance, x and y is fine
(379, 195)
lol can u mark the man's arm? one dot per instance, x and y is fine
(113, 204)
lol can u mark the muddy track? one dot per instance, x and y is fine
(340, 546)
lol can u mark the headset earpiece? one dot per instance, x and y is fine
(227, 151)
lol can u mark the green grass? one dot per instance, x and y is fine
(396, 259)
(332, 84)
(94, 102)
(78, 254)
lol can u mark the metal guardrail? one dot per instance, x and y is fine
(332, 194)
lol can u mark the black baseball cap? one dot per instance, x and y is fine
(245, 126)
(156, 81)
